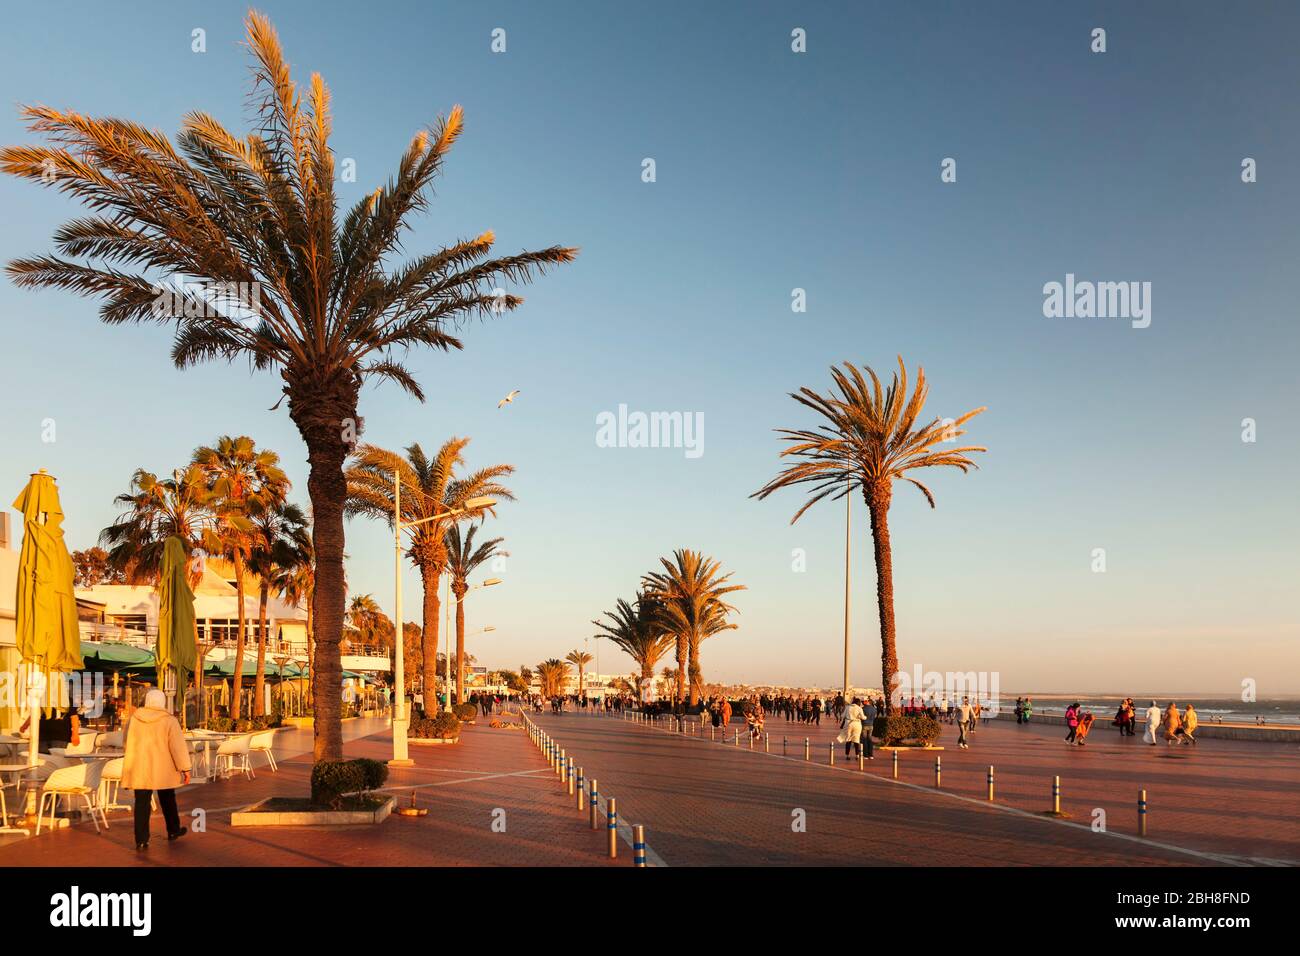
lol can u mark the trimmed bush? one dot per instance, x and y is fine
(901, 728)
(330, 779)
(444, 725)
(465, 711)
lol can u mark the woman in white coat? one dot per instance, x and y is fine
(851, 722)
(1153, 723)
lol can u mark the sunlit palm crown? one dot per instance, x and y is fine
(690, 592)
(218, 208)
(156, 509)
(638, 629)
(243, 483)
(871, 437)
(430, 486)
(464, 556)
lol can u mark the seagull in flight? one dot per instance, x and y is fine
(508, 399)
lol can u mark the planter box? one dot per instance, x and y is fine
(254, 816)
(433, 740)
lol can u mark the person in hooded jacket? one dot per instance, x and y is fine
(157, 761)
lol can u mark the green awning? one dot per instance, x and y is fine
(113, 656)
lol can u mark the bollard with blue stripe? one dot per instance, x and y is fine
(594, 796)
(1142, 813)
(582, 784)
(1056, 794)
(569, 775)
(611, 828)
(638, 845)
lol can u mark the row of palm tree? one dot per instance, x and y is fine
(230, 501)
(337, 305)
(678, 606)
(438, 495)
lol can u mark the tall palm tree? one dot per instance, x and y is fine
(691, 588)
(243, 483)
(871, 437)
(638, 629)
(156, 509)
(463, 559)
(552, 674)
(334, 306)
(281, 542)
(580, 660)
(430, 489)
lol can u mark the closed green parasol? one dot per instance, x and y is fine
(176, 643)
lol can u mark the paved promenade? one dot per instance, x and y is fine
(713, 803)
(462, 785)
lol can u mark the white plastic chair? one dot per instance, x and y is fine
(261, 744)
(85, 744)
(111, 778)
(233, 754)
(81, 780)
(115, 740)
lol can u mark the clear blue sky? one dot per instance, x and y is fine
(775, 171)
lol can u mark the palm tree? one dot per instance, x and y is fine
(281, 542)
(243, 483)
(638, 629)
(364, 615)
(430, 489)
(552, 674)
(871, 438)
(334, 306)
(463, 559)
(526, 675)
(691, 588)
(580, 660)
(156, 509)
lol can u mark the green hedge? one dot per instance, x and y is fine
(902, 728)
(228, 725)
(465, 711)
(331, 779)
(443, 725)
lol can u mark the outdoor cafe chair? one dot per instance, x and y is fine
(81, 780)
(114, 740)
(111, 780)
(261, 744)
(233, 754)
(84, 746)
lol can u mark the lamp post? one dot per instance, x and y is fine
(401, 718)
(447, 630)
(848, 516)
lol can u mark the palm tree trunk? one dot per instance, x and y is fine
(311, 648)
(683, 652)
(694, 672)
(878, 505)
(429, 638)
(259, 683)
(322, 410)
(460, 648)
(238, 681)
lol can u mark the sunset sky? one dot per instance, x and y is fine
(775, 171)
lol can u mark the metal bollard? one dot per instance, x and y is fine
(611, 828)
(638, 845)
(895, 764)
(710, 731)
(559, 766)
(990, 781)
(737, 738)
(832, 748)
(783, 746)
(862, 760)
(582, 790)
(595, 803)
(570, 775)
(807, 751)
(1142, 813)
(751, 741)
(1056, 794)
(767, 743)
(938, 772)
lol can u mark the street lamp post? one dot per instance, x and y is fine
(447, 629)
(401, 718)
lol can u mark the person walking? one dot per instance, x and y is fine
(1173, 724)
(1153, 721)
(157, 761)
(1072, 721)
(869, 713)
(1028, 708)
(963, 723)
(851, 732)
(1190, 722)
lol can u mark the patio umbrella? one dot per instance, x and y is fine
(46, 625)
(176, 644)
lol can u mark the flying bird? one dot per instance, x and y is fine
(508, 399)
